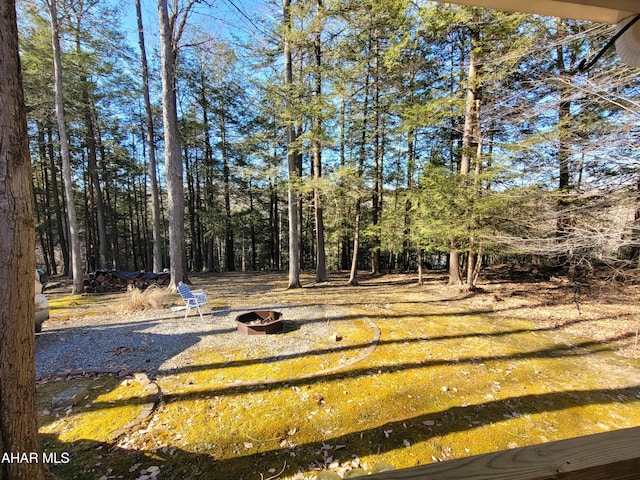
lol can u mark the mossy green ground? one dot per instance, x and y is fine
(73, 306)
(446, 380)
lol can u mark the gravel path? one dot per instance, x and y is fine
(158, 342)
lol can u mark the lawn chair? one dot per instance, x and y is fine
(192, 299)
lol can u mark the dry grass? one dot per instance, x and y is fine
(152, 298)
(454, 374)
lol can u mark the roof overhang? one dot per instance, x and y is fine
(606, 11)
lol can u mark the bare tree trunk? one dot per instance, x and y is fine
(294, 239)
(173, 158)
(58, 209)
(153, 176)
(18, 416)
(92, 167)
(353, 280)
(406, 244)
(344, 240)
(321, 259)
(564, 114)
(198, 259)
(358, 213)
(474, 263)
(191, 205)
(254, 252)
(465, 160)
(229, 241)
(131, 220)
(74, 235)
(52, 268)
(274, 223)
(454, 265)
(95, 181)
(564, 221)
(209, 189)
(377, 162)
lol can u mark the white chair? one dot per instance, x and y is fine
(192, 299)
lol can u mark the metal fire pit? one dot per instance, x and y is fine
(259, 322)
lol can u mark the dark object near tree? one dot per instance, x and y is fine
(41, 302)
(103, 281)
(585, 65)
(42, 277)
(259, 322)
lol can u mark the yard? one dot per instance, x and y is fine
(362, 378)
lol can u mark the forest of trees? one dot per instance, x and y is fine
(325, 135)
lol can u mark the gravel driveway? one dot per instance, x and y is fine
(156, 342)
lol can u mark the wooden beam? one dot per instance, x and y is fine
(595, 10)
(603, 456)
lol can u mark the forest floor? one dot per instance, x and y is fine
(385, 374)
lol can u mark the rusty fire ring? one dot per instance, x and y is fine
(374, 343)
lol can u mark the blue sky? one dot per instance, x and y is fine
(222, 18)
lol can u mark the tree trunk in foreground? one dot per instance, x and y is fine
(18, 419)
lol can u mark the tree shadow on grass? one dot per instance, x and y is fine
(395, 435)
(145, 346)
(564, 351)
(91, 459)
(591, 346)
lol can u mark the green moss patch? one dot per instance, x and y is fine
(74, 306)
(87, 432)
(108, 406)
(448, 378)
(74, 301)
